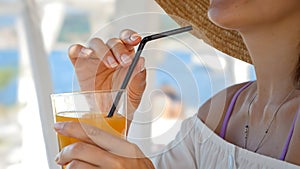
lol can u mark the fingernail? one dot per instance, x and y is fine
(142, 67)
(134, 37)
(125, 59)
(59, 125)
(84, 52)
(112, 62)
(57, 158)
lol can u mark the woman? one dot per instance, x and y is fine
(258, 122)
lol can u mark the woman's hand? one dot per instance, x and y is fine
(103, 66)
(98, 149)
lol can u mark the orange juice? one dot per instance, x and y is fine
(115, 125)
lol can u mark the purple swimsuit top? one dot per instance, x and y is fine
(230, 109)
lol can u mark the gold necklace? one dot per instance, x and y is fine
(247, 126)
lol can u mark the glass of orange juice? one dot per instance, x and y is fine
(91, 107)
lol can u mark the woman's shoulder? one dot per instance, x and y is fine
(212, 112)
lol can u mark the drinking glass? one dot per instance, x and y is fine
(91, 107)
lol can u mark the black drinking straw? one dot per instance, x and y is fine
(136, 58)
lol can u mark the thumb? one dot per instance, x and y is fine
(136, 88)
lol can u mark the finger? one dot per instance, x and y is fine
(80, 164)
(91, 134)
(130, 38)
(74, 52)
(102, 52)
(138, 76)
(137, 84)
(78, 51)
(84, 152)
(120, 51)
(140, 66)
(135, 91)
(136, 87)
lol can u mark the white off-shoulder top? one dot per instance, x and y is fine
(196, 146)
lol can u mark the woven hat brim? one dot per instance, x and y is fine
(194, 12)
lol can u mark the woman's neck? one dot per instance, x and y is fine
(274, 50)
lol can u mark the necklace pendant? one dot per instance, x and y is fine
(260, 144)
(246, 129)
(246, 135)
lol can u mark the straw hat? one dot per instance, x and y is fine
(194, 12)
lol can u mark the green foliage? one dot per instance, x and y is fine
(6, 75)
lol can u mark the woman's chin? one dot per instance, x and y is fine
(221, 20)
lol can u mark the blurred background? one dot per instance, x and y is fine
(183, 72)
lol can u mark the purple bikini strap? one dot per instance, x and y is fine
(230, 108)
(288, 140)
